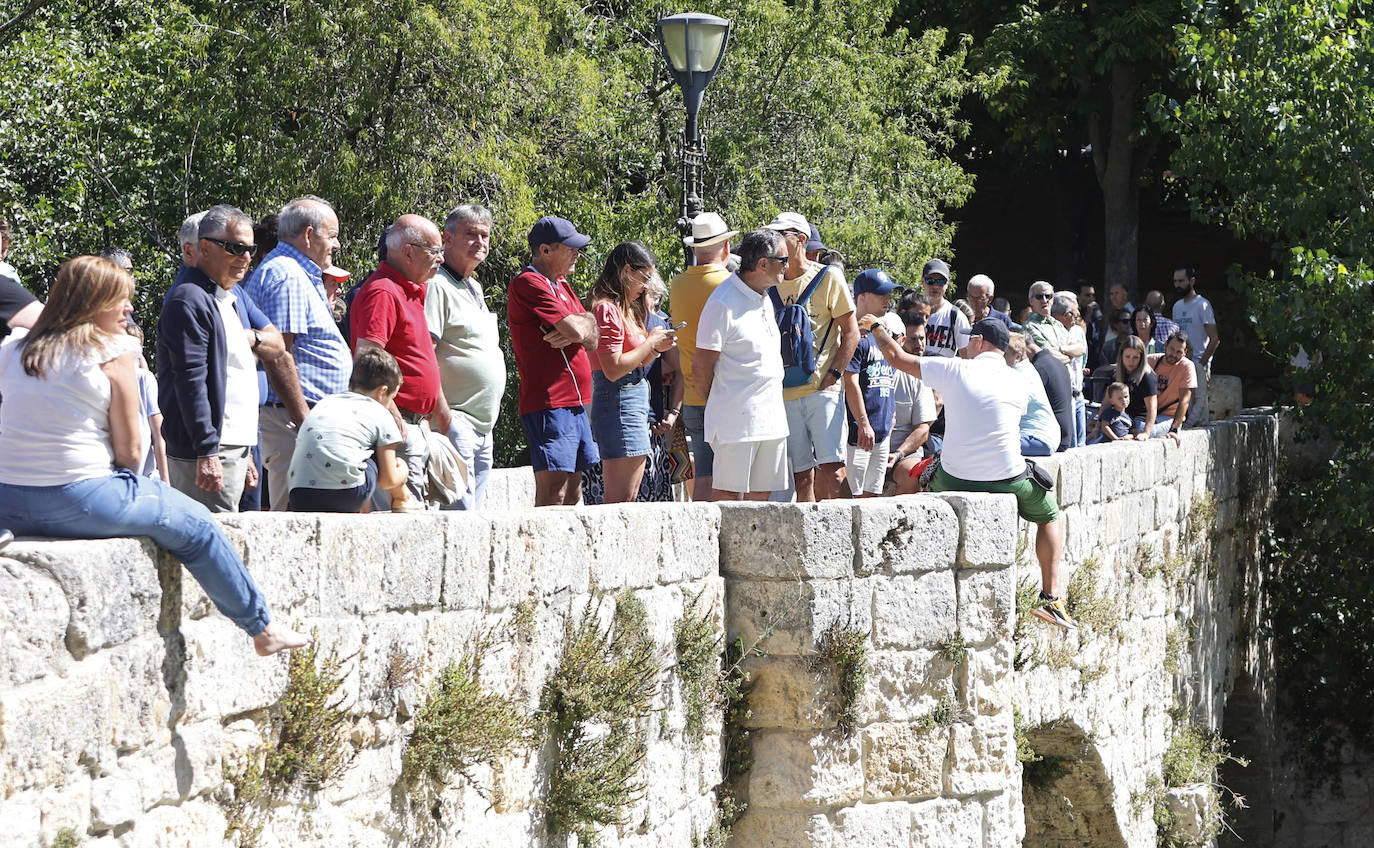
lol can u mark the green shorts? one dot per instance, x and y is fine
(1032, 502)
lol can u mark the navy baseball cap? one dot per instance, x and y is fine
(553, 230)
(873, 281)
(815, 243)
(993, 331)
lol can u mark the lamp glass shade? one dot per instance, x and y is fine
(693, 42)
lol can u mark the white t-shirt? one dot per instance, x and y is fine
(240, 425)
(984, 402)
(1193, 318)
(336, 440)
(745, 403)
(915, 406)
(943, 336)
(55, 429)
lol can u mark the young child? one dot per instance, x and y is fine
(1113, 423)
(149, 418)
(346, 446)
(868, 384)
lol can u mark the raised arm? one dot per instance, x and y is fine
(892, 352)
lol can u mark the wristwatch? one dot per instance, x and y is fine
(835, 372)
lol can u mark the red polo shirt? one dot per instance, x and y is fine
(390, 310)
(549, 378)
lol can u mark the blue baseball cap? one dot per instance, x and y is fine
(873, 281)
(553, 230)
(815, 243)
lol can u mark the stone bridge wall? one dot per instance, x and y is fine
(125, 700)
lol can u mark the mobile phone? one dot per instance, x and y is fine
(680, 326)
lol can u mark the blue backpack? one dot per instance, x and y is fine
(798, 340)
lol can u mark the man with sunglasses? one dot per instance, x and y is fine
(209, 334)
(816, 410)
(1048, 333)
(946, 327)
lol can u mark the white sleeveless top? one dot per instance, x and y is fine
(56, 429)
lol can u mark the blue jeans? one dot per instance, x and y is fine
(1162, 425)
(125, 504)
(1080, 421)
(1034, 446)
(477, 450)
(703, 458)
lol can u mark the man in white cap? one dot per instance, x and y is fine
(946, 328)
(687, 294)
(816, 408)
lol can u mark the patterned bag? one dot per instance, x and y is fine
(679, 457)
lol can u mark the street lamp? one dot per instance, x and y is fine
(693, 45)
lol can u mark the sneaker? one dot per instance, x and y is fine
(1052, 609)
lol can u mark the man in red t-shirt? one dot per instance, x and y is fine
(551, 333)
(389, 313)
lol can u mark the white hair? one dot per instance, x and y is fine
(190, 229)
(983, 281)
(303, 212)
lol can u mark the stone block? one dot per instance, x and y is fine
(884, 824)
(989, 680)
(688, 541)
(1191, 807)
(949, 823)
(805, 770)
(914, 611)
(389, 664)
(196, 822)
(987, 528)
(115, 801)
(1224, 396)
(222, 675)
(143, 704)
(987, 604)
(509, 490)
(23, 817)
(467, 561)
(907, 535)
(1088, 462)
(905, 685)
(787, 618)
(111, 587)
(33, 624)
(982, 756)
(787, 694)
(760, 828)
(903, 760)
(787, 541)
(281, 550)
(415, 548)
(541, 552)
(38, 751)
(625, 544)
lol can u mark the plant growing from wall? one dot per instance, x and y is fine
(460, 725)
(1193, 757)
(698, 658)
(597, 700)
(844, 653)
(66, 838)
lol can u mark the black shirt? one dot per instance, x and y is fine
(1147, 387)
(13, 298)
(1055, 375)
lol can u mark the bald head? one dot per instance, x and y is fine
(414, 247)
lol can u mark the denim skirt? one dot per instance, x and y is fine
(620, 415)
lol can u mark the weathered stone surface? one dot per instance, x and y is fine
(914, 611)
(788, 694)
(905, 685)
(903, 760)
(786, 618)
(282, 551)
(222, 674)
(538, 553)
(813, 540)
(981, 755)
(987, 604)
(874, 824)
(115, 801)
(950, 824)
(52, 726)
(988, 527)
(1191, 807)
(804, 770)
(33, 623)
(781, 829)
(906, 535)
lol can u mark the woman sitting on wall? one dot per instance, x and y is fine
(69, 442)
(1133, 370)
(620, 389)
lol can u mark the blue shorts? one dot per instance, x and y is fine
(560, 439)
(305, 499)
(620, 415)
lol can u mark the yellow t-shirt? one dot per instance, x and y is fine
(687, 295)
(831, 301)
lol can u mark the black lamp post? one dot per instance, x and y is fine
(693, 45)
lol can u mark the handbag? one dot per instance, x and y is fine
(679, 457)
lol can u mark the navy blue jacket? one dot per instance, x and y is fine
(191, 360)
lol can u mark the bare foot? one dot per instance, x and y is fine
(275, 637)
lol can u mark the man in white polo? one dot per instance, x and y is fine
(738, 371)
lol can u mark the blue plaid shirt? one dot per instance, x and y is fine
(1164, 328)
(287, 286)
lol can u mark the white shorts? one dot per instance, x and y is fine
(744, 467)
(867, 470)
(816, 428)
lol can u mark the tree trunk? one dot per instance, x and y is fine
(1117, 159)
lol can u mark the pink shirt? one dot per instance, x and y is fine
(616, 336)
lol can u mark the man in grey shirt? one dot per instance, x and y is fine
(472, 367)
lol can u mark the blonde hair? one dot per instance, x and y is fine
(85, 287)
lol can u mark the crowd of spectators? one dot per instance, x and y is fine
(772, 377)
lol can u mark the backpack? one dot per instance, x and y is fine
(798, 339)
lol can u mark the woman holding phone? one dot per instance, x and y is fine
(69, 442)
(620, 388)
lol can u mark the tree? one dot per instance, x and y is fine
(1277, 141)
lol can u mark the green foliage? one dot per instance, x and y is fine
(953, 648)
(1174, 643)
(735, 688)
(312, 747)
(1194, 755)
(843, 652)
(698, 658)
(461, 725)
(597, 700)
(1098, 612)
(66, 838)
(1277, 143)
(942, 715)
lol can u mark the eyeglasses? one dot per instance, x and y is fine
(782, 259)
(936, 281)
(434, 252)
(1042, 296)
(234, 248)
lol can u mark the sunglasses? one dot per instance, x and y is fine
(936, 281)
(1042, 297)
(234, 248)
(782, 259)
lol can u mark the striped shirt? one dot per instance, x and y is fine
(287, 286)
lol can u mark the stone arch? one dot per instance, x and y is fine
(1067, 795)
